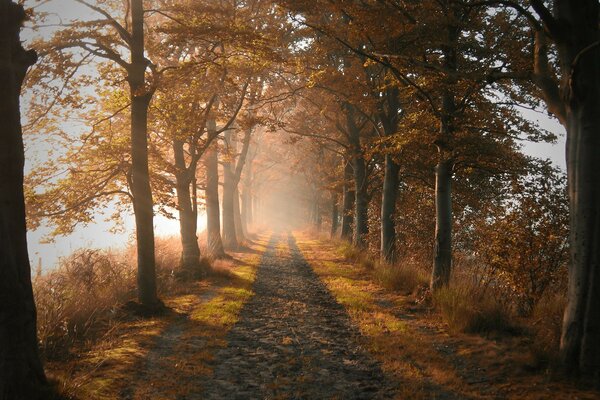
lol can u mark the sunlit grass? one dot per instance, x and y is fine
(212, 307)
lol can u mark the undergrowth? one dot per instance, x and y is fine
(469, 306)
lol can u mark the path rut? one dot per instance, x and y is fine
(293, 340)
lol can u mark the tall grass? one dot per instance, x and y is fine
(77, 300)
(81, 300)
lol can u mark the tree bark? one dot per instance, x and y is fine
(443, 225)
(240, 232)
(213, 212)
(388, 210)
(579, 57)
(361, 199)
(442, 251)
(21, 372)
(140, 177)
(389, 117)
(232, 175)
(229, 237)
(348, 203)
(247, 216)
(334, 214)
(190, 254)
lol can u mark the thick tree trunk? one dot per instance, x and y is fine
(140, 177)
(190, 254)
(213, 212)
(347, 203)
(21, 372)
(442, 263)
(334, 214)
(579, 55)
(388, 210)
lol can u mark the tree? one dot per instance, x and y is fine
(109, 39)
(21, 372)
(570, 86)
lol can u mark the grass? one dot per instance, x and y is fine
(466, 309)
(102, 365)
(427, 343)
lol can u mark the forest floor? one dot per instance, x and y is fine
(290, 318)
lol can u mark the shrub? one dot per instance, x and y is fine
(546, 325)
(467, 309)
(401, 277)
(524, 242)
(79, 297)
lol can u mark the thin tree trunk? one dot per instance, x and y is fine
(361, 202)
(190, 254)
(579, 56)
(388, 210)
(334, 214)
(237, 217)
(213, 212)
(442, 264)
(348, 203)
(229, 237)
(21, 372)
(247, 216)
(359, 169)
(442, 257)
(140, 177)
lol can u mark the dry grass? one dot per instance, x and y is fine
(427, 356)
(545, 324)
(405, 278)
(465, 308)
(79, 302)
(108, 367)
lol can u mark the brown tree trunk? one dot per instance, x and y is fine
(389, 117)
(388, 210)
(237, 217)
(347, 203)
(442, 264)
(579, 56)
(442, 251)
(359, 169)
(190, 253)
(140, 177)
(229, 237)
(247, 216)
(334, 214)
(213, 212)
(21, 372)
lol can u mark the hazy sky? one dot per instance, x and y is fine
(97, 235)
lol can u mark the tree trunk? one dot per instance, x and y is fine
(213, 212)
(140, 177)
(388, 210)
(190, 254)
(579, 55)
(247, 216)
(361, 202)
(442, 252)
(334, 214)
(348, 203)
(230, 239)
(442, 263)
(240, 232)
(21, 372)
